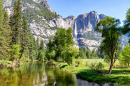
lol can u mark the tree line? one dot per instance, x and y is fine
(16, 41)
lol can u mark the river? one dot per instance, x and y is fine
(41, 74)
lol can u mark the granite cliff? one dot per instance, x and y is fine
(44, 22)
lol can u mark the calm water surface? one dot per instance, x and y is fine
(40, 74)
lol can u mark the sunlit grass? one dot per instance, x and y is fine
(118, 76)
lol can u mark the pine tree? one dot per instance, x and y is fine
(2, 41)
(15, 22)
(41, 51)
(88, 54)
(7, 32)
(24, 35)
(41, 47)
(37, 41)
(30, 45)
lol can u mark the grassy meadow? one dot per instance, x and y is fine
(120, 74)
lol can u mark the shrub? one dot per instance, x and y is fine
(40, 55)
(99, 66)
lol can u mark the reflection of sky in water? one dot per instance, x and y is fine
(86, 83)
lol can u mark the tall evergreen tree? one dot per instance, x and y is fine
(15, 22)
(24, 35)
(6, 32)
(88, 54)
(2, 41)
(41, 51)
(41, 47)
(31, 45)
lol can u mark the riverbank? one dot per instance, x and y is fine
(4, 63)
(119, 75)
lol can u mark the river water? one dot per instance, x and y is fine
(41, 74)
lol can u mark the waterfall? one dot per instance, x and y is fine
(75, 31)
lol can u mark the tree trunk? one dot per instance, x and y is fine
(111, 66)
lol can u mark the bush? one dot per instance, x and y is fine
(77, 62)
(40, 55)
(99, 66)
(13, 53)
(124, 57)
(50, 54)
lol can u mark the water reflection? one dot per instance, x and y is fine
(86, 83)
(39, 74)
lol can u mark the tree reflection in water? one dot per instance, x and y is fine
(40, 74)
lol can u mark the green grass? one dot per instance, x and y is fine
(119, 76)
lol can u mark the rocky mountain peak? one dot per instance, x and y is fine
(102, 16)
(83, 16)
(44, 21)
(46, 5)
(70, 17)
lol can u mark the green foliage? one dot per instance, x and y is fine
(82, 52)
(13, 53)
(4, 32)
(63, 38)
(3, 62)
(77, 62)
(50, 51)
(60, 37)
(15, 22)
(61, 49)
(41, 50)
(45, 12)
(111, 33)
(94, 54)
(69, 36)
(100, 54)
(16, 39)
(69, 53)
(40, 55)
(17, 42)
(50, 54)
(106, 59)
(88, 54)
(126, 28)
(124, 57)
(99, 66)
(41, 47)
(31, 13)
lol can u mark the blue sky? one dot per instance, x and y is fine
(113, 8)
